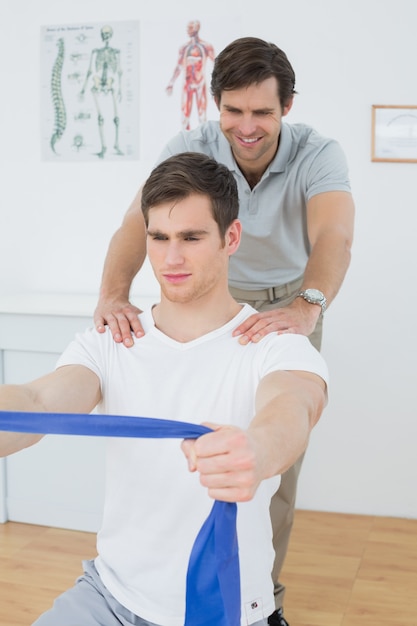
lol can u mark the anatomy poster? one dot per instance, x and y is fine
(90, 91)
(191, 68)
(176, 66)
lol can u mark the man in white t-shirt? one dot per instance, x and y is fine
(261, 401)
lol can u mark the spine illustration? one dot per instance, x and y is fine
(56, 94)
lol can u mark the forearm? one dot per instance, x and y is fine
(126, 254)
(284, 419)
(330, 225)
(124, 259)
(175, 75)
(233, 462)
(17, 398)
(327, 265)
(69, 389)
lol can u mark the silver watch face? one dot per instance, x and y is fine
(314, 294)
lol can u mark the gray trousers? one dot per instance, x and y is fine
(89, 603)
(283, 501)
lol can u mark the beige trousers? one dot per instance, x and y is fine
(283, 501)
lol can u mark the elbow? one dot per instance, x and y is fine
(10, 443)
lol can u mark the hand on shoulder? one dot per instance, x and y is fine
(121, 317)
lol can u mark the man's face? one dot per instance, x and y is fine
(250, 119)
(187, 254)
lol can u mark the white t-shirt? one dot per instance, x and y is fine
(154, 507)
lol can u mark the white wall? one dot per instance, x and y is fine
(56, 220)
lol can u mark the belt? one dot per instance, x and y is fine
(213, 578)
(271, 294)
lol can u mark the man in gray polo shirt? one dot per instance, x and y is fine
(297, 215)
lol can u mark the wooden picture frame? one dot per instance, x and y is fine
(394, 133)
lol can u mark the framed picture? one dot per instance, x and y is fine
(394, 133)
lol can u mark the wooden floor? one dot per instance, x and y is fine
(341, 570)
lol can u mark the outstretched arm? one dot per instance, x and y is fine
(330, 218)
(232, 462)
(125, 256)
(177, 70)
(70, 389)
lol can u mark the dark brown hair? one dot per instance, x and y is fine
(251, 60)
(187, 173)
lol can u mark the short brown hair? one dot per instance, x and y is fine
(251, 60)
(187, 173)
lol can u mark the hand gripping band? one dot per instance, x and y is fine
(213, 577)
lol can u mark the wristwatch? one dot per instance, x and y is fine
(314, 296)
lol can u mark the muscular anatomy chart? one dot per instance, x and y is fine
(192, 59)
(90, 92)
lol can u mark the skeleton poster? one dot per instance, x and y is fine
(90, 92)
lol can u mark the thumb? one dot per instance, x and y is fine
(188, 448)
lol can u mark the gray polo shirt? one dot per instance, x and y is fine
(274, 249)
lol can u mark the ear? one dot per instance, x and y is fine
(232, 237)
(217, 102)
(288, 106)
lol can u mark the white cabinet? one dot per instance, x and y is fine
(59, 481)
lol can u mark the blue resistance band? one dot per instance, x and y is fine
(213, 577)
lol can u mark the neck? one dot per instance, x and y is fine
(253, 172)
(186, 321)
(252, 178)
